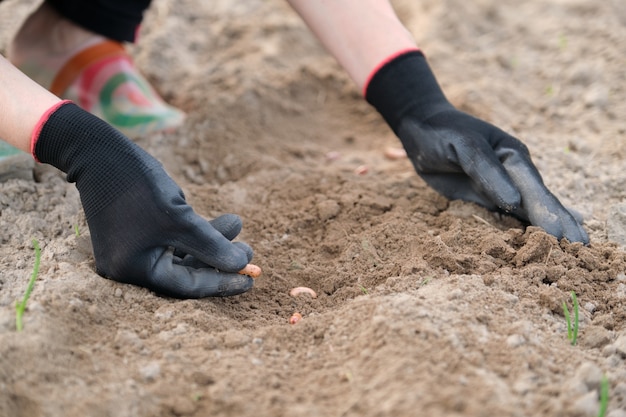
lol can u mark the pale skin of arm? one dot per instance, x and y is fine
(360, 34)
(22, 103)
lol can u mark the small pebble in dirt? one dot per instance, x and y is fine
(328, 209)
(616, 224)
(510, 299)
(36, 306)
(515, 340)
(75, 304)
(608, 350)
(128, 340)
(182, 406)
(202, 378)
(616, 413)
(590, 307)
(150, 372)
(118, 292)
(590, 375)
(234, 339)
(456, 294)
(586, 405)
(595, 337)
(620, 345)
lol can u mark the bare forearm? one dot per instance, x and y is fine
(358, 33)
(22, 103)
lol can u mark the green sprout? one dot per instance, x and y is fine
(572, 327)
(363, 289)
(604, 396)
(562, 42)
(295, 265)
(20, 306)
(76, 230)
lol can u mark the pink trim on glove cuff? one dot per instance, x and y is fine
(383, 63)
(42, 121)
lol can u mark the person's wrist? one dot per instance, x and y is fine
(402, 84)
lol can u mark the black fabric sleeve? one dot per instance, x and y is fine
(115, 19)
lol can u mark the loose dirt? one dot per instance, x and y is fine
(424, 306)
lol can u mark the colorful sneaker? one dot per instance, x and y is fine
(103, 80)
(15, 163)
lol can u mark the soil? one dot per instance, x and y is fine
(425, 306)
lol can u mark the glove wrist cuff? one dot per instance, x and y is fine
(101, 160)
(42, 121)
(384, 62)
(404, 83)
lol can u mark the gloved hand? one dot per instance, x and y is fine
(460, 156)
(143, 231)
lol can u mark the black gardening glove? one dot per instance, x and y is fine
(143, 231)
(460, 156)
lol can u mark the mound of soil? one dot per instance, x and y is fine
(425, 306)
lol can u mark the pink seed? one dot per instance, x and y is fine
(295, 317)
(302, 290)
(333, 155)
(361, 170)
(395, 153)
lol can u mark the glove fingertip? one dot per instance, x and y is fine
(578, 235)
(184, 281)
(237, 284)
(508, 200)
(229, 225)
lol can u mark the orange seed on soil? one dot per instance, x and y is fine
(251, 270)
(295, 317)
